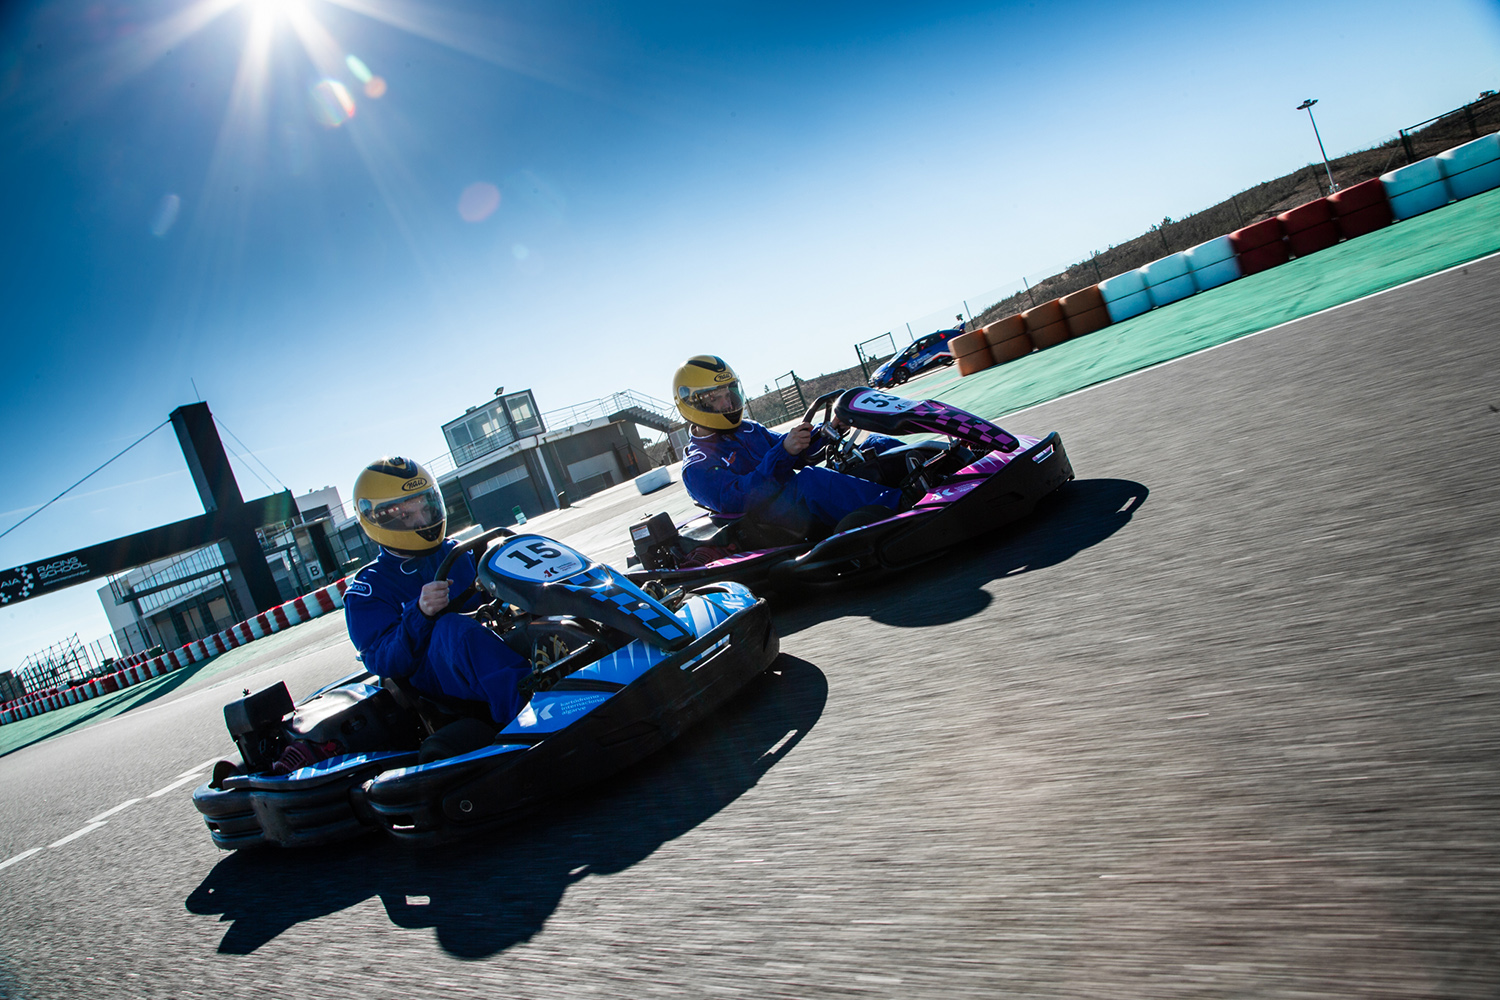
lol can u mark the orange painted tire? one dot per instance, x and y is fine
(1079, 302)
(1314, 213)
(1088, 321)
(1043, 315)
(968, 364)
(967, 343)
(1011, 349)
(1050, 335)
(1004, 329)
(1254, 237)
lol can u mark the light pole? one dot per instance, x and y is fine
(1307, 106)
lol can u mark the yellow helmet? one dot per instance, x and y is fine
(708, 393)
(400, 506)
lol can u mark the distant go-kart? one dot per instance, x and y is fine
(978, 479)
(924, 353)
(618, 672)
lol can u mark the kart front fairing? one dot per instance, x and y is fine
(648, 672)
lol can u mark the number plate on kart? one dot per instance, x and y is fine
(881, 402)
(535, 559)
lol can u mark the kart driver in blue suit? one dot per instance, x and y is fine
(737, 466)
(394, 606)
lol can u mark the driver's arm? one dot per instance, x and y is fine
(713, 479)
(390, 634)
(391, 637)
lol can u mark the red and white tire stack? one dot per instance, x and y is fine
(138, 668)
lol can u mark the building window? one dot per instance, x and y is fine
(494, 483)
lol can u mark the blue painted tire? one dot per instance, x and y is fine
(1131, 305)
(1122, 286)
(1467, 183)
(1166, 269)
(1419, 200)
(1212, 252)
(1218, 273)
(1172, 290)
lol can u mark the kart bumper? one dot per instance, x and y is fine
(302, 809)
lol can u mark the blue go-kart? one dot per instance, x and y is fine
(619, 670)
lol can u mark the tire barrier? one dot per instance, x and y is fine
(1168, 279)
(1472, 167)
(1084, 311)
(1309, 228)
(653, 480)
(1046, 325)
(971, 352)
(1361, 209)
(1416, 188)
(1213, 263)
(1124, 296)
(1008, 339)
(1260, 246)
(283, 616)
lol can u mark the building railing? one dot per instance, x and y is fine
(608, 406)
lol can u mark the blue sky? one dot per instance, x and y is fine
(189, 212)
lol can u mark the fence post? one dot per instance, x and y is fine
(1411, 157)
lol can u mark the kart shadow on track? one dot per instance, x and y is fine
(485, 895)
(950, 588)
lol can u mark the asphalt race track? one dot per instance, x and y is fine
(1220, 722)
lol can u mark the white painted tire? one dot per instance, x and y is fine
(658, 477)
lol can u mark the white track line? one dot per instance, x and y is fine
(76, 834)
(206, 764)
(176, 784)
(19, 857)
(110, 812)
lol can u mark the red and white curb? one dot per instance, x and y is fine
(138, 668)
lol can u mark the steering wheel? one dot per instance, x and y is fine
(446, 566)
(841, 450)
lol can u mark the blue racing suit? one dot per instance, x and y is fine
(747, 471)
(450, 655)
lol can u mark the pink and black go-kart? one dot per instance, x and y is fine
(979, 479)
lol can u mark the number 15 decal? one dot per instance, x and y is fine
(537, 559)
(543, 551)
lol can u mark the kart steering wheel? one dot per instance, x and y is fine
(446, 566)
(841, 450)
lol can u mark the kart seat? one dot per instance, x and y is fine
(435, 710)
